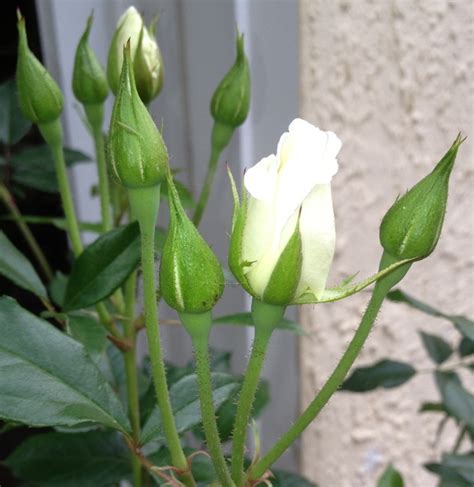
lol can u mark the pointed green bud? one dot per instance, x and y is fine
(148, 65)
(191, 277)
(412, 226)
(89, 82)
(138, 154)
(40, 98)
(129, 27)
(231, 101)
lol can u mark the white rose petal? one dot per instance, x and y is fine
(295, 182)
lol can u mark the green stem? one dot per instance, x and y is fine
(130, 360)
(144, 204)
(461, 434)
(221, 135)
(52, 132)
(379, 293)
(266, 317)
(199, 327)
(7, 198)
(95, 117)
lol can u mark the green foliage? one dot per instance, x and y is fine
(385, 373)
(33, 167)
(391, 478)
(103, 267)
(93, 459)
(13, 125)
(245, 319)
(89, 332)
(225, 414)
(456, 402)
(438, 349)
(286, 479)
(47, 378)
(185, 403)
(464, 325)
(459, 403)
(454, 470)
(16, 267)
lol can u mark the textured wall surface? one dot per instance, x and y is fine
(394, 79)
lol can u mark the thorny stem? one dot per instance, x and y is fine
(130, 360)
(379, 293)
(144, 204)
(198, 327)
(265, 317)
(221, 135)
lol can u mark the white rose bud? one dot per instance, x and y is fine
(283, 237)
(129, 26)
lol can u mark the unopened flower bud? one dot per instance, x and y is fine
(40, 98)
(231, 100)
(191, 277)
(412, 226)
(129, 26)
(89, 82)
(283, 235)
(138, 154)
(148, 65)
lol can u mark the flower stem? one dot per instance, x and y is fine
(144, 204)
(104, 193)
(379, 293)
(7, 198)
(95, 115)
(266, 317)
(53, 134)
(199, 326)
(130, 360)
(221, 135)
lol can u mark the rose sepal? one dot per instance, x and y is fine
(346, 288)
(286, 274)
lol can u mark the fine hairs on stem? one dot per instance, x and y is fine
(144, 204)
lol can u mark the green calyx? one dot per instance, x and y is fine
(285, 277)
(236, 264)
(191, 277)
(412, 226)
(148, 65)
(197, 325)
(231, 101)
(40, 98)
(89, 82)
(138, 154)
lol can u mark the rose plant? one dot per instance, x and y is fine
(59, 369)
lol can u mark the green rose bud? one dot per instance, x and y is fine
(138, 154)
(412, 226)
(231, 100)
(129, 26)
(148, 65)
(40, 98)
(89, 82)
(191, 278)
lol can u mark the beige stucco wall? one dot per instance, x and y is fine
(394, 79)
